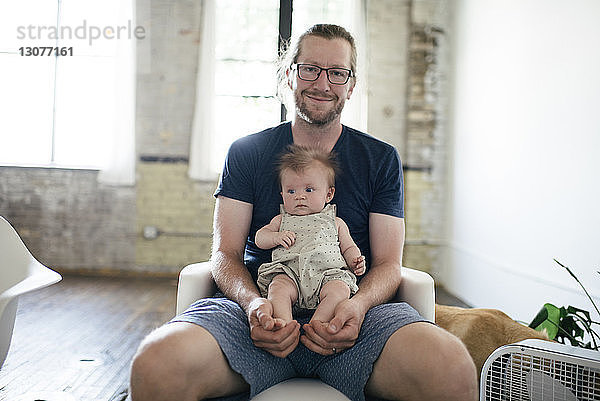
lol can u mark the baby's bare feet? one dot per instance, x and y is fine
(279, 323)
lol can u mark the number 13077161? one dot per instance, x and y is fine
(45, 51)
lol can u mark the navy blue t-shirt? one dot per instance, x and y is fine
(369, 181)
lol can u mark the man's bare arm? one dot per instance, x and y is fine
(386, 237)
(230, 230)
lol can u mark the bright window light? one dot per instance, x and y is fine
(245, 81)
(57, 111)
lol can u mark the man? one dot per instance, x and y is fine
(222, 347)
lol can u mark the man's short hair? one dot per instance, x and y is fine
(290, 55)
(298, 158)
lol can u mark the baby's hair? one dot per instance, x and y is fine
(298, 158)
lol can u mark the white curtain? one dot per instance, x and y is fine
(120, 166)
(355, 111)
(202, 139)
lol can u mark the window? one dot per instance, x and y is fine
(306, 13)
(64, 109)
(245, 70)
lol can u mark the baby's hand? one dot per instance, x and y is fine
(358, 265)
(285, 238)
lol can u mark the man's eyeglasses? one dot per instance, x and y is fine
(310, 72)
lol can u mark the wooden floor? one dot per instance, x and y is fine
(78, 337)
(75, 340)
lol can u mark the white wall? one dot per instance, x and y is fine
(525, 169)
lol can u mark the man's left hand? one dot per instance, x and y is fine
(337, 335)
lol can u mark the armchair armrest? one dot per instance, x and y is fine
(416, 288)
(195, 282)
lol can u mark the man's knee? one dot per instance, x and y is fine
(459, 369)
(155, 368)
(181, 361)
(450, 367)
(151, 354)
(422, 361)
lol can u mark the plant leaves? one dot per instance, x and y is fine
(548, 318)
(539, 318)
(575, 311)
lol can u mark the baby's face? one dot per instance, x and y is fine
(306, 192)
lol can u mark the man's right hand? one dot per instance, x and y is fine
(270, 334)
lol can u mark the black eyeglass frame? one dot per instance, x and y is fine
(321, 69)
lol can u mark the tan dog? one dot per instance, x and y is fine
(482, 330)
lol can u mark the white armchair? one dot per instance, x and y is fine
(416, 288)
(20, 273)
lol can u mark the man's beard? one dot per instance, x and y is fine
(317, 118)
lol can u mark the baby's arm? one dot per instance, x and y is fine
(350, 252)
(269, 236)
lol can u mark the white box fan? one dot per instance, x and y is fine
(537, 370)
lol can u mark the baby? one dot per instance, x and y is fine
(314, 247)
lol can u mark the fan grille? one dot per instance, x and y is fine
(523, 374)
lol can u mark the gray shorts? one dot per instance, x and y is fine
(347, 371)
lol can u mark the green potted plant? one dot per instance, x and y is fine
(570, 323)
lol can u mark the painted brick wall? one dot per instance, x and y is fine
(73, 223)
(180, 209)
(167, 66)
(68, 220)
(426, 142)
(388, 30)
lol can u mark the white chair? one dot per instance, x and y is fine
(20, 273)
(416, 288)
